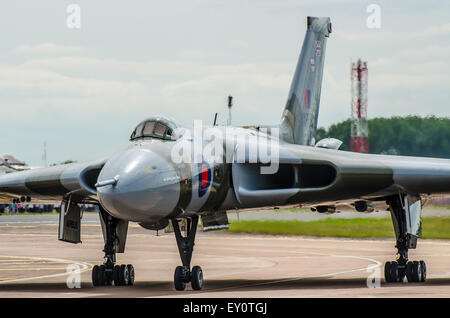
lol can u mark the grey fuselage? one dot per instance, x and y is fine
(152, 187)
(144, 183)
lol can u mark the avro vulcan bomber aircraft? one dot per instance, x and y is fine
(147, 182)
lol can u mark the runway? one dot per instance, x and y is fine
(33, 263)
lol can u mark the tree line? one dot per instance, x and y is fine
(407, 136)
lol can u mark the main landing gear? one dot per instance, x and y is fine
(106, 274)
(183, 274)
(405, 212)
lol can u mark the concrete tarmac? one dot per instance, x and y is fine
(33, 263)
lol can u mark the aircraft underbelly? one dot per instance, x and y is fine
(432, 180)
(324, 176)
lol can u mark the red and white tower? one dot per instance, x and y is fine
(359, 136)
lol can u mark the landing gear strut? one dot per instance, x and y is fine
(109, 272)
(183, 274)
(406, 220)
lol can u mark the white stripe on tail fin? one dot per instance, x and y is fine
(299, 119)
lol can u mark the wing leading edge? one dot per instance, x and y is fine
(52, 184)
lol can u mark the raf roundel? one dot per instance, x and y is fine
(204, 179)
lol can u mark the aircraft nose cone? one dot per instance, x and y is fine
(138, 185)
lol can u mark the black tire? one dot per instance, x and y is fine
(108, 277)
(387, 272)
(394, 272)
(116, 275)
(95, 275)
(130, 275)
(178, 278)
(197, 278)
(123, 275)
(101, 275)
(401, 274)
(410, 272)
(417, 273)
(423, 268)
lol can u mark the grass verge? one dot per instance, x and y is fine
(433, 227)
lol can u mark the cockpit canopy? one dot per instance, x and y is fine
(159, 127)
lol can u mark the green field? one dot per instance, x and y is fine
(433, 227)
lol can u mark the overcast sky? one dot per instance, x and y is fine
(84, 90)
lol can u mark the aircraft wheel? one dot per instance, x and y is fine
(116, 271)
(123, 275)
(423, 268)
(387, 272)
(108, 277)
(95, 275)
(417, 272)
(101, 275)
(394, 272)
(413, 272)
(401, 274)
(391, 272)
(130, 275)
(409, 272)
(179, 278)
(197, 278)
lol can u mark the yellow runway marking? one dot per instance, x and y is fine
(84, 267)
(48, 234)
(82, 236)
(25, 263)
(20, 226)
(53, 224)
(11, 260)
(33, 269)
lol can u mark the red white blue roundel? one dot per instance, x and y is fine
(204, 178)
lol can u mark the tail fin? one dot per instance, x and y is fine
(299, 119)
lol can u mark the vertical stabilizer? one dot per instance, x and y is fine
(299, 119)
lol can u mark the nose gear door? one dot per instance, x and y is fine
(69, 222)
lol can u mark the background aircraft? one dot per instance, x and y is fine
(10, 164)
(143, 183)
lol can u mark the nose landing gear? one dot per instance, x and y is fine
(183, 274)
(114, 232)
(107, 274)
